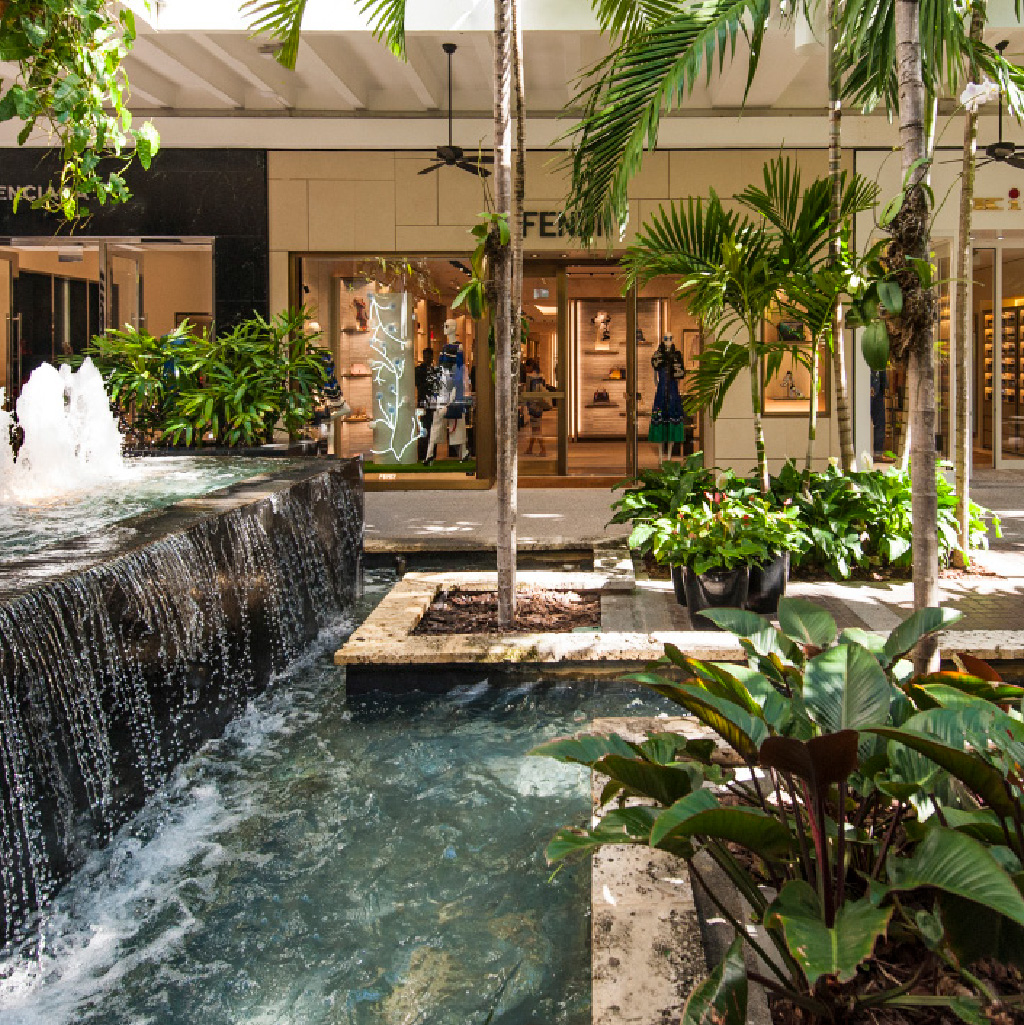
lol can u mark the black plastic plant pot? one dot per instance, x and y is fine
(677, 584)
(768, 584)
(716, 589)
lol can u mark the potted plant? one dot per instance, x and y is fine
(715, 539)
(781, 531)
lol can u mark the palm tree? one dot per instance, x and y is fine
(283, 20)
(810, 227)
(729, 273)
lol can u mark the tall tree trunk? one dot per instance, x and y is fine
(913, 232)
(812, 417)
(518, 198)
(504, 410)
(847, 453)
(756, 406)
(961, 336)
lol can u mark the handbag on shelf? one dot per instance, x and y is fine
(601, 395)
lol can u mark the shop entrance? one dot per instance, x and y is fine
(56, 294)
(596, 369)
(998, 372)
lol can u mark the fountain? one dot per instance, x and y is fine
(71, 436)
(123, 651)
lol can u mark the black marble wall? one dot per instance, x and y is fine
(216, 192)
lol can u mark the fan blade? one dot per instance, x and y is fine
(433, 167)
(1016, 160)
(483, 158)
(473, 168)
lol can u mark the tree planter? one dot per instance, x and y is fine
(768, 584)
(677, 584)
(716, 589)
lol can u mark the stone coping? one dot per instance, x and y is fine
(386, 637)
(78, 554)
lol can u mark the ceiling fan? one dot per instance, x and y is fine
(1000, 151)
(452, 155)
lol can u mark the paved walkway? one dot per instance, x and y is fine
(992, 599)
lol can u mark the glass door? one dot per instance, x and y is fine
(1010, 359)
(542, 374)
(10, 324)
(124, 287)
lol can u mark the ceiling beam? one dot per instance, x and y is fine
(148, 84)
(166, 64)
(240, 68)
(309, 58)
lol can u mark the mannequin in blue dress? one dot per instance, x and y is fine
(668, 423)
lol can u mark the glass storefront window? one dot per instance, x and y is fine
(788, 391)
(406, 362)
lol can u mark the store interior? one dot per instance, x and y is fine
(55, 296)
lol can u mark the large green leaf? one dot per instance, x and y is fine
(701, 814)
(662, 783)
(977, 775)
(584, 750)
(755, 629)
(806, 623)
(916, 626)
(845, 688)
(956, 863)
(716, 679)
(721, 999)
(818, 949)
(623, 825)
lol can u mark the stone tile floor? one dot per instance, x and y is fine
(443, 520)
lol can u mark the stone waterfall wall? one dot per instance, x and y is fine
(120, 655)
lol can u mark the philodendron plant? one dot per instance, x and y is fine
(847, 802)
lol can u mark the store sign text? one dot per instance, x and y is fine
(29, 193)
(546, 223)
(996, 203)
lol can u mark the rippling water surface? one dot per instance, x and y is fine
(148, 483)
(370, 860)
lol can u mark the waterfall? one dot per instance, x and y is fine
(109, 677)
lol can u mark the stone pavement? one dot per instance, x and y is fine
(577, 517)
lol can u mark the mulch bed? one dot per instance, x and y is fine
(537, 611)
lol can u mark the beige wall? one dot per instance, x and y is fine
(378, 203)
(176, 283)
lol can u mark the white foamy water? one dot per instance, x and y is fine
(71, 438)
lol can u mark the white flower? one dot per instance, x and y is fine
(978, 93)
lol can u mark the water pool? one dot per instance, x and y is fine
(148, 483)
(366, 861)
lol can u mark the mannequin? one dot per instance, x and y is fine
(603, 322)
(447, 397)
(668, 424)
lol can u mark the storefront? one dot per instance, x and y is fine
(191, 244)
(995, 372)
(379, 252)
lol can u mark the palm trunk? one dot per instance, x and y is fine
(961, 337)
(847, 452)
(503, 393)
(921, 365)
(755, 406)
(518, 198)
(812, 418)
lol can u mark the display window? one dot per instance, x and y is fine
(787, 392)
(406, 361)
(56, 295)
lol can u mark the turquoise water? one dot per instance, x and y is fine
(374, 861)
(147, 484)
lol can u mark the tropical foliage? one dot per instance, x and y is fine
(229, 389)
(71, 83)
(851, 804)
(830, 522)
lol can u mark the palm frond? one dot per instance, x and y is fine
(387, 23)
(717, 367)
(624, 95)
(866, 53)
(628, 18)
(281, 19)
